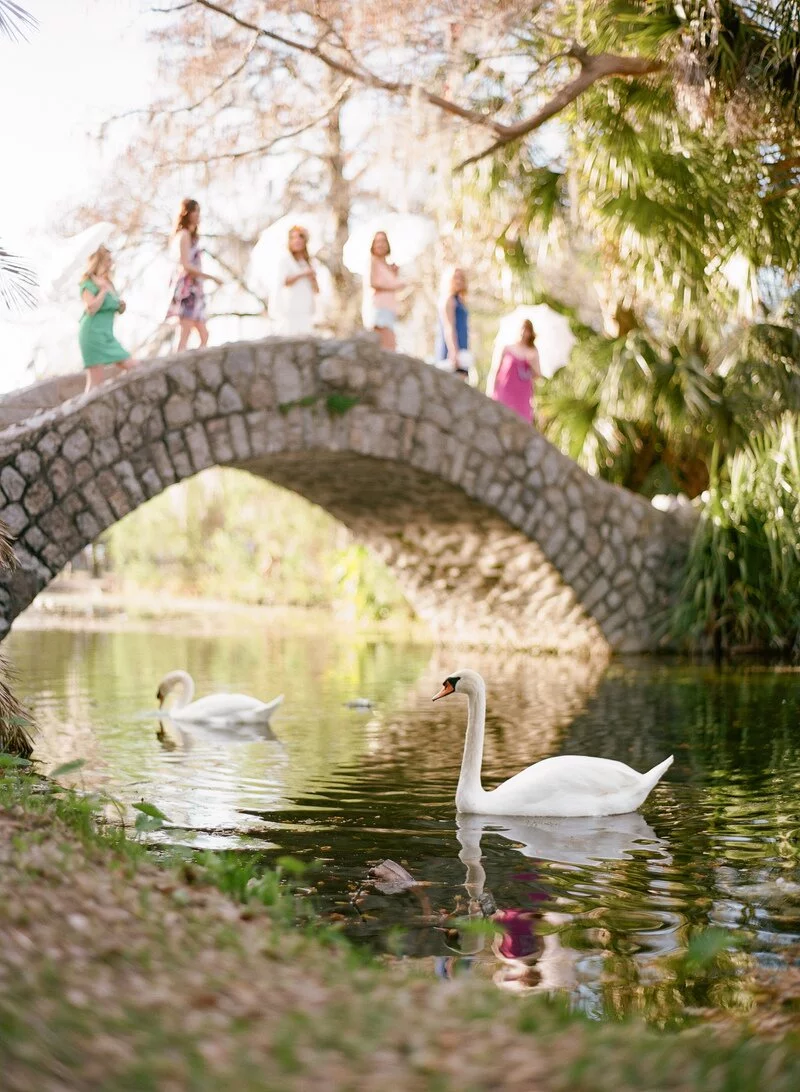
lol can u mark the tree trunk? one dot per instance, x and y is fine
(344, 305)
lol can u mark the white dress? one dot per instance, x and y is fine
(293, 304)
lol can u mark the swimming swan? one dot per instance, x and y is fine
(230, 708)
(571, 785)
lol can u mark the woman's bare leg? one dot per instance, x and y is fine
(95, 376)
(202, 330)
(386, 338)
(186, 328)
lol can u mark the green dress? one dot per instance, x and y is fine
(96, 332)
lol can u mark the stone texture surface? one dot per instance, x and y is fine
(494, 535)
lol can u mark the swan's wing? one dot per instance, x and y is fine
(263, 710)
(231, 707)
(573, 775)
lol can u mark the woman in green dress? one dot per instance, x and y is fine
(103, 356)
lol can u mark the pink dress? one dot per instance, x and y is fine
(514, 384)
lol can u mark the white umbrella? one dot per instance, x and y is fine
(273, 242)
(554, 339)
(70, 257)
(409, 235)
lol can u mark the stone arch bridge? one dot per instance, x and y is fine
(493, 534)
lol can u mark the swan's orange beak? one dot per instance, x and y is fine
(447, 688)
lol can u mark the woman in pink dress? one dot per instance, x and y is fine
(515, 372)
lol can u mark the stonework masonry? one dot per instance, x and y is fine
(493, 534)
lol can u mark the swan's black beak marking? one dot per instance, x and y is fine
(159, 696)
(448, 686)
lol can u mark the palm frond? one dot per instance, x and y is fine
(17, 282)
(15, 22)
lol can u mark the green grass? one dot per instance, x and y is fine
(185, 987)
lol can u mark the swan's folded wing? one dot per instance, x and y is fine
(219, 707)
(576, 775)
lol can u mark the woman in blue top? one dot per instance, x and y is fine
(452, 342)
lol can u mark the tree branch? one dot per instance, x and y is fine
(262, 149)
(593, 67)
(151, 112)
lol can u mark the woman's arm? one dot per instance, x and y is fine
(448, 316)
(383, 278)
(536, 370)
(293, 278)
(497, 360)
(93, 302)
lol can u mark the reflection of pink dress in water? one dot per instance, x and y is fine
(514, 384)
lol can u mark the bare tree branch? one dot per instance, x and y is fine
(593, 68)
(262, 149)
(151, 111)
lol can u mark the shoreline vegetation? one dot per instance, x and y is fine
(78, 601)
(119, 971)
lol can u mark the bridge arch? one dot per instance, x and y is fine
(494, 535)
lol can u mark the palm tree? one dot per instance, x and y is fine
(16, 288)
(15, 724)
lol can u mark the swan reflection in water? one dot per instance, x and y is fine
(526, 951)
(172, 734)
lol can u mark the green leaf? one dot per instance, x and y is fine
(707, 946)
(151, 811)
(340, 403)
(292, 865)
(146, 823)
(68, 767)
(13, 761)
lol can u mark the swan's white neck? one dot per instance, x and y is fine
(469, 791)
(184, 682)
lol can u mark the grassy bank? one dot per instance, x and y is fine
(118, 973)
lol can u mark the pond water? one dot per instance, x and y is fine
(601, 909)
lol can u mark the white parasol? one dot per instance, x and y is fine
(554, 338)
(69, 259)
(409, 235)
(273, 242)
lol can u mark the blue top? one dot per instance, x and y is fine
(462, 330)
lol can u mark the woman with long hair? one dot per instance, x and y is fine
(296, 287)
(103, 356)
(452, 341)
(514, 373)
(380, 292)
(188, 303)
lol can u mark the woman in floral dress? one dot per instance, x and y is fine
(188, 298)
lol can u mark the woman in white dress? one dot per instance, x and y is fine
(295, 289)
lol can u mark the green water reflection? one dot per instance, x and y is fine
(601, 909)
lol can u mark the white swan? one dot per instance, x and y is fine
(571, 785)
(216, 708)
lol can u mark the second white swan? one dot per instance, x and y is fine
(570, 785)
(216, 708)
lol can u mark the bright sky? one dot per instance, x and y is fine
(87, 60)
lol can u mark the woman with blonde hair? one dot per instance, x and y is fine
(296, 287)
(452, 341)
(188, 304)
(380, 292)
(103, 356)
(515, 370)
